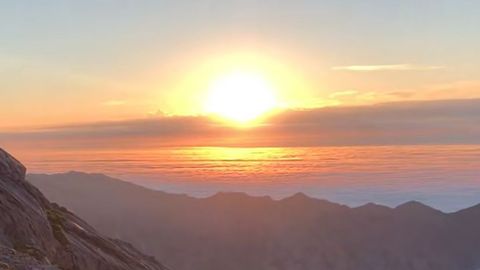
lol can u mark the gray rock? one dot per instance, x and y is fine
(37, 234)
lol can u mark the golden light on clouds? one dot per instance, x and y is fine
(240, 96)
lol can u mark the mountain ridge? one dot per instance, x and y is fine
(237, 231)
(245, 194)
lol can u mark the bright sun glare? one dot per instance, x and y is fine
(240, 96)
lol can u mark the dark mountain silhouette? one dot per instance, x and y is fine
(36, 234)
(235, 231)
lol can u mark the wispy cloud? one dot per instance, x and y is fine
(343, 93)
(394, 67)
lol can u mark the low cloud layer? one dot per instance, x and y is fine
(420, 122)
(394, 67)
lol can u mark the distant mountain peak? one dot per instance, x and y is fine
(300, 195)
(411, 204)
(375, 206)
(415, 206)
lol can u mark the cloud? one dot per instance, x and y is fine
(451, 90)
(394, 67)
(343, 93)
(419, 122)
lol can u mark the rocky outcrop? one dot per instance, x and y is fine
(37, 234)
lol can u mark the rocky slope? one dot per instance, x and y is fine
(37, 234)
(236, 232)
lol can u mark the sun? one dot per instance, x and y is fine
(240, 96)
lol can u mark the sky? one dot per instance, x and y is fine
(84, 66)
(162, 91)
